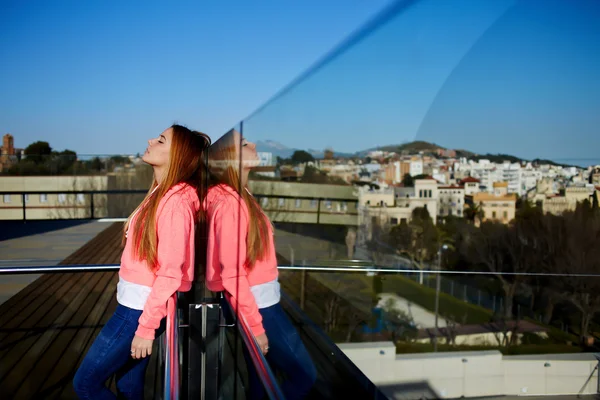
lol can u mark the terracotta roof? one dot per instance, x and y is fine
(470, 179)
(451, 187)
(427, 178)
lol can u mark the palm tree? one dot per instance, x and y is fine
(474, 213)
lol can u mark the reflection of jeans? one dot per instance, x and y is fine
(287, 354)
(110, 354)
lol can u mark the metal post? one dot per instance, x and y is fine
(451, 287)
(479, 297)
(437, 301)
(204, 351)
(318, 211)
(465, 294)
(92, 205)
(24, 212)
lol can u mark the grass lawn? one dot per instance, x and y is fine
(357, 289)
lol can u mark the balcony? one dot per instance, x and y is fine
(468, 308)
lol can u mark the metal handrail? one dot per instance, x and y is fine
(49, 269)
(142, 191)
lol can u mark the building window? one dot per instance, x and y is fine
(459, 212)
(298, 203)
(43, 198)
(494, 214)
(430, 196)
(26, 198)
(403, 220)
(394, 221)
(62, 198)
(450, 212)
(328, 204)
(7, 198)
(80, 198)
(313, 203)
(381, 203)
(344, 206)
(505, 214)
(280, 202)
(420, 193)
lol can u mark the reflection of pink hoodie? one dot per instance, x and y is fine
(226, 267)
(175, 227)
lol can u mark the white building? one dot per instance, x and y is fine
(394, 205)
(416, 166)
(452, 201)
(266, 159)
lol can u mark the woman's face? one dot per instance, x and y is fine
(249, 154)
(158, 150)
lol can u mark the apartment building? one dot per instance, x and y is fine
(52, 206)
(498, 206)
(452, 201)
(557, 204)
(471, 185)
(394, 205)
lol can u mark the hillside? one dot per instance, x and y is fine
(411, 147)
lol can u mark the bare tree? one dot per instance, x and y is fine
(581, 255)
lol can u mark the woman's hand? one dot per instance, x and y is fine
(263, 343)
(141, 347)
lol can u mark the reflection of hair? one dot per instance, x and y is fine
(185, 165)
(224, 167)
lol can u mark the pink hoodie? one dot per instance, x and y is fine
(226, 267)
(175, 226)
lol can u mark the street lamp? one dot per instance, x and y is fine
(437, 294)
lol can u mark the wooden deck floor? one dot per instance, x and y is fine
(47, 328)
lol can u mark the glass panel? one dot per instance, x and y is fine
(433, 188)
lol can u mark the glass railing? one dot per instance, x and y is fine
(433, 185)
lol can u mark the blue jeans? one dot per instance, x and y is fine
(110, 355)
(286, 354)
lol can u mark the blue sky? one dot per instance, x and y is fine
(103, 76)
(496, 76)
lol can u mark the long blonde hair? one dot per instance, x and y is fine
(224, 163)
(186, 164)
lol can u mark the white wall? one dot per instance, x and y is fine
(476, 373)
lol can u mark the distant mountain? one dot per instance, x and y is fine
(280, 150)
(271, 146)
(410, 147)
(283, 151)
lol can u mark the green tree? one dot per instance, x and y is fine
(313, 175)
(95, 164)
(301, 156)
(38, 152)
(474, 213)
(419, 239)
(408, 180)
(63, 161)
